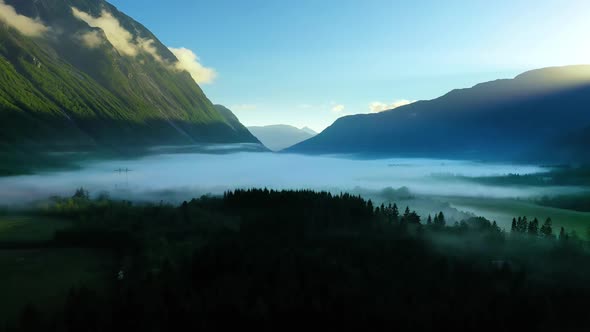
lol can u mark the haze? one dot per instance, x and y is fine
(178, 177)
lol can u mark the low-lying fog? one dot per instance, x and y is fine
(177, 177)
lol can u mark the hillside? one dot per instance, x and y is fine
(235, 123)
(537, 116)
(82, 74)
(279, 137)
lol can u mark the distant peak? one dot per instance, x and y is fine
(309, 130)
(276, 126)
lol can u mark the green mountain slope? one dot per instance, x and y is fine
(235, 123)
(57, 92)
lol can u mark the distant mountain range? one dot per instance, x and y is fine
(541, 115)
(80, 73)
(309, 131)
(279, 137)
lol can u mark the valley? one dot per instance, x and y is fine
(167, 179)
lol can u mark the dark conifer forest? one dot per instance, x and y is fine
(268, 165)
(282, 260)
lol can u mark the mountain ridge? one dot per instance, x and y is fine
(235, 123)
(509, 119)
(59, 93)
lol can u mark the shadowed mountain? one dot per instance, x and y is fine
(81, 74)
(541, 115)
(235, 123)
(279, 137)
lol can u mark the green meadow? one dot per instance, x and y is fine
(31, 271)
(18, 229)
(503, 210)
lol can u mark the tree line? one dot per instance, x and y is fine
(270, 260)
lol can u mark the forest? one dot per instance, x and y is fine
(440, 179)
(287, 259)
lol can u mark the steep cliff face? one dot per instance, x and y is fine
(79, 73)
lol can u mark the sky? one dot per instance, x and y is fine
(309, 62)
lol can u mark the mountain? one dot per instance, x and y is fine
(576, 143)
(279, 137)
(309, 131)
(541, 115)
(233, 121)
(80, 73)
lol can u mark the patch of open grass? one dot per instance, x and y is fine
(43, 274)
(503, 210)
(26, 229)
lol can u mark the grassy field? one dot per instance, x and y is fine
(503, 210)
(42, 275)
(26, 229)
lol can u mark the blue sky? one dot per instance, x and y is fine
(308, 62)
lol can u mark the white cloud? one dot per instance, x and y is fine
(120, 38)
(243, 107)
(91, 39)
(25, 25)
(377, 106)
(126, 44)
(338, 108)
(147, 45)
(189, 61)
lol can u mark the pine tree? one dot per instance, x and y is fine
(429, 221)
(522, 224)
(562, 235)
(546, 229)
(407, 212)
(395, 214)
(440, 220)
(413, 218)
(513, 229)
(533, 227)
(495, 227)
(81, 193)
